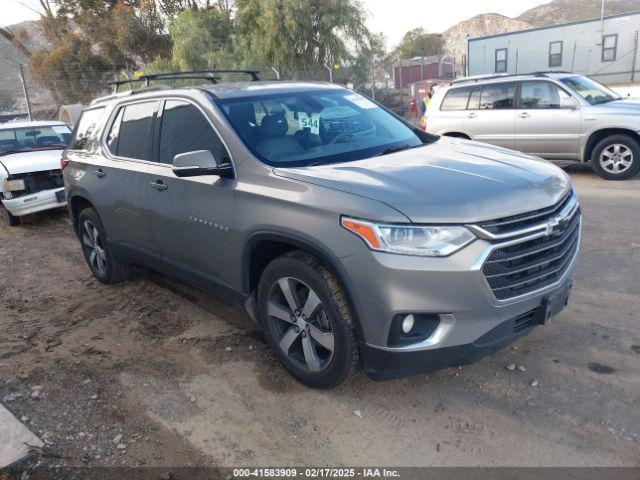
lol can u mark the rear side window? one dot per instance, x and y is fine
(456, 99)
(131, 132)
(186, 129)
(497, 96)
(85, 133)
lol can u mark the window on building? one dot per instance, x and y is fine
(555, 54)
(609, 47)
(501, 60)
(497, 96)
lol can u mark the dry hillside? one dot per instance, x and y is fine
(557, 11)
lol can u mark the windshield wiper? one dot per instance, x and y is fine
(390, 150)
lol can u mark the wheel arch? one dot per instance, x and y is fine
(599, 135)
(78, 202)
(264, 246)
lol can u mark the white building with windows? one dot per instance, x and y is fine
(605, 49)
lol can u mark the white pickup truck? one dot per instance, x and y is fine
(30, 174)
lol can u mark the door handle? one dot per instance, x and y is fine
(159, 185)
(472, 115)
(100, 173)
(524, 115)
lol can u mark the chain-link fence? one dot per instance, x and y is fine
(22, 97)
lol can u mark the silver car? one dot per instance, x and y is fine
(556, 116)
(351, 237)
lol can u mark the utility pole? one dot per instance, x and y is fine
(24, 89)
(373, 79)
(602, 19)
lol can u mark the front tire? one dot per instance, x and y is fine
(11, 220)
(97, 252)
(307, 321)
(616, 157)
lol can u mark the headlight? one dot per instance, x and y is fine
(431, 241)
(14, 185)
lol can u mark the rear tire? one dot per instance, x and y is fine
(617, 157)
(315, 338)
(97, 252)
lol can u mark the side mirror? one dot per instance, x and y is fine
(569, 103)
(199, 162)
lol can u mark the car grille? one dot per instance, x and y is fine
(517, 222)
(534, 263)
(38, 181)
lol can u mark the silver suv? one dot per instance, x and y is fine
(349, 235)
(557, 116)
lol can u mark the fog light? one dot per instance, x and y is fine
(408, 323)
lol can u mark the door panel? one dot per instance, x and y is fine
(193, 218)
(122, 174)
(193, 221)
(491, 114)
(544, 128)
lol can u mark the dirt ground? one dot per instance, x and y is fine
(155, 373)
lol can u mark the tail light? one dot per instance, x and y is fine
(412, 105)
(63, 163)
(423, 124)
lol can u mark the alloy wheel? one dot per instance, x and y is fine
(94, 246)
(616, 158)
(301, 324)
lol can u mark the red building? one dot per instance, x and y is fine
(416, 69)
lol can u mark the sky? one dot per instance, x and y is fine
(392, 17)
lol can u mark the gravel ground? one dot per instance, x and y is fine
(154, 373)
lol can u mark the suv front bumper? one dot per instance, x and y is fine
(385, 285)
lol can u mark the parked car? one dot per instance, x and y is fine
(30, 174)
(558, 116)
(362, 240)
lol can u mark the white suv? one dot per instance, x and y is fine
(557, 116)
(30, 174)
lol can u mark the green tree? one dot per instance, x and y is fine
(301, 35)
(201, 39)
(418, 43)
(71, 69)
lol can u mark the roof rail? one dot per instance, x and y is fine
(544, 73)
(187, 75)
(477, 78)
(127, 93)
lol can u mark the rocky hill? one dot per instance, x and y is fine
(455, 38)
(561, 11)
(557, 11)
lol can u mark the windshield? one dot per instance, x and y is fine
(591, 91)
(27, 139)
(316, 127)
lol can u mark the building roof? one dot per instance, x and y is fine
(559, 25)
(429, 60)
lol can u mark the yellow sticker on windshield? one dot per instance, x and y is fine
(312, 122)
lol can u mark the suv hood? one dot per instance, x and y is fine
(449, 181)
(36, 161)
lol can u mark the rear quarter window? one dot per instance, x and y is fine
(456, 99)
(86, 134)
